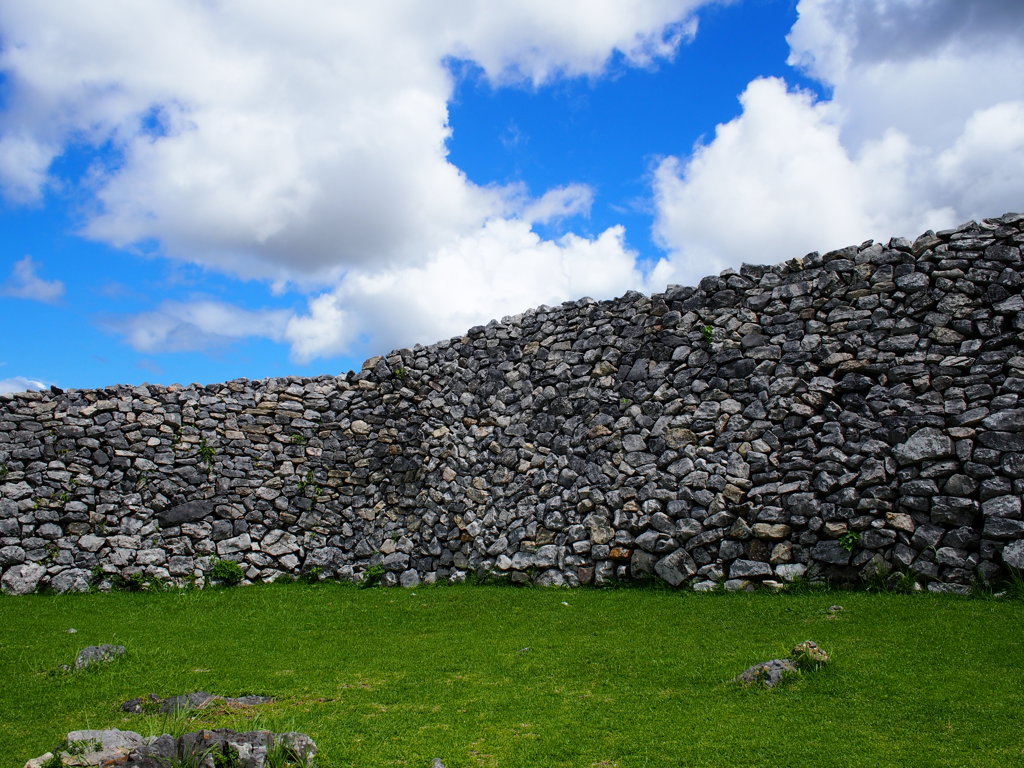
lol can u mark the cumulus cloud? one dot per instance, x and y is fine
(20, 384)
(24, 283)
(287, 142)
(922, 130)
(305, 145)
(500, 270)
(182, 326)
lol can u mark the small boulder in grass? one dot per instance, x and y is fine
(805, 657)
(94, 654)
(768, 673)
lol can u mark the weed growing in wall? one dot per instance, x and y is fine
(308, 482)
(206, 453)
(227, 572)
(849, 541)
(372, 576)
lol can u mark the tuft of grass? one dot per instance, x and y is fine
(1015, 585)
(490, 675)
(226, 572)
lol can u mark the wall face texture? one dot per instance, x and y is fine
(844, 414)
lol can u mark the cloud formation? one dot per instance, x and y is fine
(24, 283)
(203, 324)
(20, 384)
(500, 270)
(305, 145)
(922, 130)
(287, 142)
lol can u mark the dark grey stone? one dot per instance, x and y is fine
(188, 512)
(1003, 528)
(953, 510)
(1002, 441)
(830, 552)
(1011, 420)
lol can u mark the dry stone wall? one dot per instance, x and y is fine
(839, 415)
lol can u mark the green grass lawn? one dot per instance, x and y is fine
(518, 678)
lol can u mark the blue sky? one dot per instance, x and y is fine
(207, 191)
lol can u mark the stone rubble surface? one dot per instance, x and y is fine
(202, 749)
(735, 432)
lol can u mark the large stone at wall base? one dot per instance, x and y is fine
(750, 569)
(188, 512)
(71, 580)
(676, 567)
(1013, 555)
(642, 563)
(329, 559)
(790, 571)
(830, 552)
(22, 579)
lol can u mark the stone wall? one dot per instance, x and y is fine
(843, 414)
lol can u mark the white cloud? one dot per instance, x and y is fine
(305, 144)
(24, 283)
(557, 204)
(181, 326)
(20, 384)
(923, 129)
(503, 269)
(770, 180)
(985, 166)
(288, 141)
(921, 67)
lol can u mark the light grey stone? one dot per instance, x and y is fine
(676, 568)
(749, 569)
(11, 555)
(71, 580)
(22, 579)
(277, 543)
(927, 443)
(240, 543)
(1013, 555)
(94, 654)
(790, 571)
